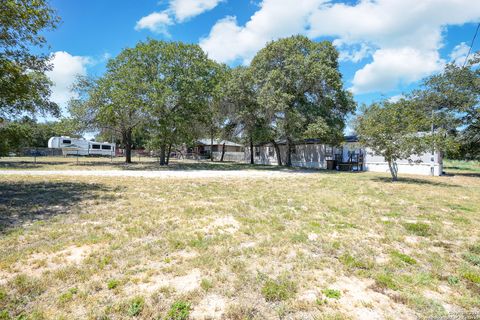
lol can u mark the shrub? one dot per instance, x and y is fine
(179, 310)
(279, 289)
(332, 293)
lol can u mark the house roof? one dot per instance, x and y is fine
(207, 142)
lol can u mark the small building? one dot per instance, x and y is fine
(204, 149)
(349, 156)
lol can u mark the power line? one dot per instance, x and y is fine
(471, 45)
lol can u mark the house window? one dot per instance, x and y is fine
(67, 141)
(96, 146)
(271, 152)
(328, 150)
(257, 151)
(106, 147)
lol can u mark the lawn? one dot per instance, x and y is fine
(316, 246)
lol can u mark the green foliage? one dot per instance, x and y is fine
(67, 296)
(301, 89)
(24, 87)
(278, 289)
(352, 262)
(112, 284)
(472, 276)
(332, 293)
(136, 306)
(403, 257)
(418, 228)
(206, 284)
(453, 280)
(472, 258)
(452, 98)
(386, 281)
(392, 130)
(179, 310)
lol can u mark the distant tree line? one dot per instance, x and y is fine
(171, 93)
(160, 95)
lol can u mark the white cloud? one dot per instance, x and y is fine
(156, 22)
(393, 67)
(228, 41)
(178, 11)
(186, 9)
(402, 37)
(459, 53)
(65, 69)
(396, 98)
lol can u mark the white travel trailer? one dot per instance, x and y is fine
(81, 147)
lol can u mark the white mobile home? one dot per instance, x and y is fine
(81, 147)
(311, 153)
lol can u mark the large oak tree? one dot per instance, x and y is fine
(298, 80)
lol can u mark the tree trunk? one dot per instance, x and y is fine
(289, 153)
(162, 155)
(392, 165)
(211, 147)
(277, 151)
(168, 153)
(252, 159)
(127, 141)
(223, 151)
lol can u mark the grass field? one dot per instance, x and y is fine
(316, 246)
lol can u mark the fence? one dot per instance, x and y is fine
(48, 156)
(54, 158)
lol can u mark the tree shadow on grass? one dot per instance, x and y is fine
(418, 181)
(26, 202)
(175, 165)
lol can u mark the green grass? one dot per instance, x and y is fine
(250, 248)
(332, 293)
(418, 228)
(405, 258)
(278, 289)
(179, 310)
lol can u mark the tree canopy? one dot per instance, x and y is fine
(393, 130)
(299, 82)
(24, 87)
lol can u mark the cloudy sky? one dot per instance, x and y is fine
(386, 46)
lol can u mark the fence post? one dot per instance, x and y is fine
(77, 157)
(35, 156)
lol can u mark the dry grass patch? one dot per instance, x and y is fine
(324, 246)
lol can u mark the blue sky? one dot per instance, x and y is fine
(386, 46)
